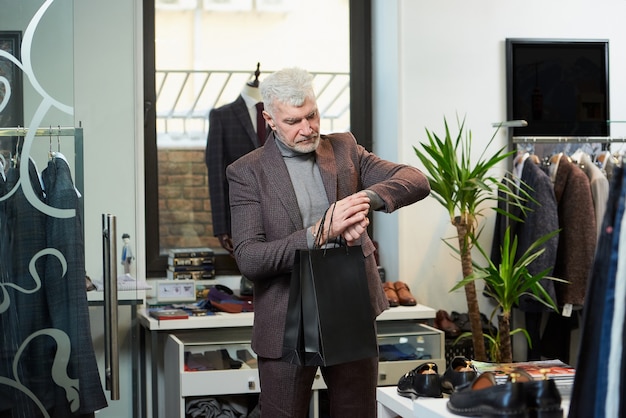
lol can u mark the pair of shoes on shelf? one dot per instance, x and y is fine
(462, 321)
(459, 373)
(392, 295)
(422, 381)
(398, 293)
(444, 322)
(519, 397)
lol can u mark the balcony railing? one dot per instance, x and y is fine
(185, 98)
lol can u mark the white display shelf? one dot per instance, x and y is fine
(407, 312)
(246, 319)
(122, 296)
(392, 405)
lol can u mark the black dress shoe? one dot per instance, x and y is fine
(422, 381)
(543, 398)
(459, 373)
(483, 397)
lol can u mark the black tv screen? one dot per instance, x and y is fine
(560, 87)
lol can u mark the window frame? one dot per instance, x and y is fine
(360, 121)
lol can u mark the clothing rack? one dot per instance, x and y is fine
(59, 131)
(567, 139)
(51, 131)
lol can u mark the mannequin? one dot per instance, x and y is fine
(251, 92)
(251, 89)
(232, 133)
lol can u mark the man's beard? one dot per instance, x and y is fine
(307, 147)
(302, 147)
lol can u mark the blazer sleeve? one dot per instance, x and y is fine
(216, 167)
(398, 185)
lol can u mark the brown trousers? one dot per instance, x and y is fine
(286, 389)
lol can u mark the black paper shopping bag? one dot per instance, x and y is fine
(334, 319)
(293, 342)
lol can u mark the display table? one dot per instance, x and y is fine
(395, 324)
(390, 405)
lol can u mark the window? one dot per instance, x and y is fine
(191, 119)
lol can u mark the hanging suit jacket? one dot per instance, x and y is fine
(268, 228)
(599, 185)
(540, 219)
(23, 230)
(577, 239)
(66, 296)
(231, 135)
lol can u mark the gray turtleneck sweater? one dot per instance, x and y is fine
(307, 183)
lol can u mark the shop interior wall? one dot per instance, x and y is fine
(108, 100)
(436, 59)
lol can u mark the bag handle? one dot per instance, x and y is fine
(317, 244)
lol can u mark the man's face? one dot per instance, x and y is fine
(297, 127)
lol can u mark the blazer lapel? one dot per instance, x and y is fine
(241, 112)
(325, 158)
(276, 171)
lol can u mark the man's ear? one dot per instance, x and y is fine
(269, 120)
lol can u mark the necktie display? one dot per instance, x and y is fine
(260, 123)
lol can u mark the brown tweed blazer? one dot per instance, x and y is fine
(267, 226)
(577, 239)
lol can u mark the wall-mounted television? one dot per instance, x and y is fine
(559, 86)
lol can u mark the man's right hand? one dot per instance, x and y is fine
(349, 218)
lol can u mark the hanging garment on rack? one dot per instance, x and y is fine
(541, 219)
(599, 389)
(24, 234)
(616, 386)
(8, 340)
(599, 185)
(68, 290)
(577, 239)
(575, 255)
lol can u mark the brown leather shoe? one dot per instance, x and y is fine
(445, 323)
(390, 292)
(404, 295)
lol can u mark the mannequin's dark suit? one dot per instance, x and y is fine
(231, 135)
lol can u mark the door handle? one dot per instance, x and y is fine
(111, 351)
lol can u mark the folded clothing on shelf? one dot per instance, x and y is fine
(211, 360)
(221, 298)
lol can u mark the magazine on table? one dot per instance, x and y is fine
(551, 369)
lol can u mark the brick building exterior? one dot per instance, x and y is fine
(184, 205)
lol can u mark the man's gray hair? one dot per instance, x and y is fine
(290, 86)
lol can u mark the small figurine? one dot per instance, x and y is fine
(127, 253)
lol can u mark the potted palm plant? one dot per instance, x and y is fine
(506, 282)
(462, 187)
